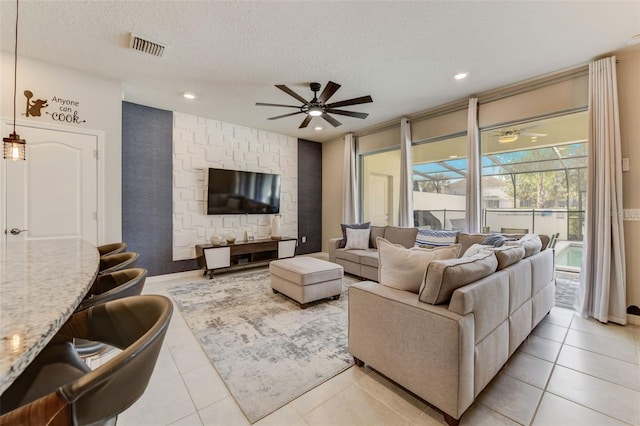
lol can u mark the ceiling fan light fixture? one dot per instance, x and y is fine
(315, 111)
(507, 138)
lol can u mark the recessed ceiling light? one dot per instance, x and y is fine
(188, 95)
(317, 128)
(461, 75)
(453, 156)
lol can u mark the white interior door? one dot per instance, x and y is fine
(379, 200)
(54, 193)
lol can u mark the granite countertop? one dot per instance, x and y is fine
(41, 284)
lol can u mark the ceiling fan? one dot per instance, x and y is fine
(512, 135)
(317, 107)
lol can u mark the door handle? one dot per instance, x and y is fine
(15, 231)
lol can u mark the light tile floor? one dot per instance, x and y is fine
(570, 371)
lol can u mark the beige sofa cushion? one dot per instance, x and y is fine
(404, 268)
(445, 276)
(400, 235)
(531, 243)
(370, 258)
(376, 231)
(507, 255)
(473, 250)
(467, 240)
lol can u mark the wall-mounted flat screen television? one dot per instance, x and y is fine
(241, 192)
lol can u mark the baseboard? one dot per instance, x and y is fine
(633, 319)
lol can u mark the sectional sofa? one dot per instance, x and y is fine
(364, 262)
(445, 338)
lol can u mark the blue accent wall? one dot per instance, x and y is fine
(147, 188)
(309, 196)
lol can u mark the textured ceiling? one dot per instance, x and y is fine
(231, 54)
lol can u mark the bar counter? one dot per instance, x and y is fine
(41, 284)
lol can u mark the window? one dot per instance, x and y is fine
(440, 183)
(534, 176)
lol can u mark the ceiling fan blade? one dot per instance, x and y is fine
(331, 120)
(328, 91)
(277, 105)
(290, 92)
(305, 122)
(348, 113)
(284, 115)
(354, 101)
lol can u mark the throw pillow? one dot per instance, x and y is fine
(474, 249)
(352, 226)
(508, 255)
(357, 239)
(495, 240)
(443, 277)
(531, 243)
(404, 268)
(430, 237)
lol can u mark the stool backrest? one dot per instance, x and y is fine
(116, 285)
(118, 261)
(113, 248)
(137, 325)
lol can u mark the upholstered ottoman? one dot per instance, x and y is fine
(306, 279)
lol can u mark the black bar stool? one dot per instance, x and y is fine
(58, 388)
(115, 262)
(113, 248)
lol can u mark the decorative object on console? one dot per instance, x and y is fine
(230, 238)
(216, 239)
(275, 227)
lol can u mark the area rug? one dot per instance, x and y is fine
(267, 350)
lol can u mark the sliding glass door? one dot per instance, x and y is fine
(534, 179)
(440, 183)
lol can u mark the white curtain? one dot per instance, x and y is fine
(350, 212)
(472, 218)
(602, 290)
(405, 210)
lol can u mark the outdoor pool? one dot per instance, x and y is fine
(569, 258)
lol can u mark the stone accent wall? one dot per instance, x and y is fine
(200, 143)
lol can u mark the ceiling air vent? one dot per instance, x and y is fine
(146, 46)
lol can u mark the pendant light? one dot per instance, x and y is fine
(14, 147)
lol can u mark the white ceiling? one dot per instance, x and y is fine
(232, 53)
